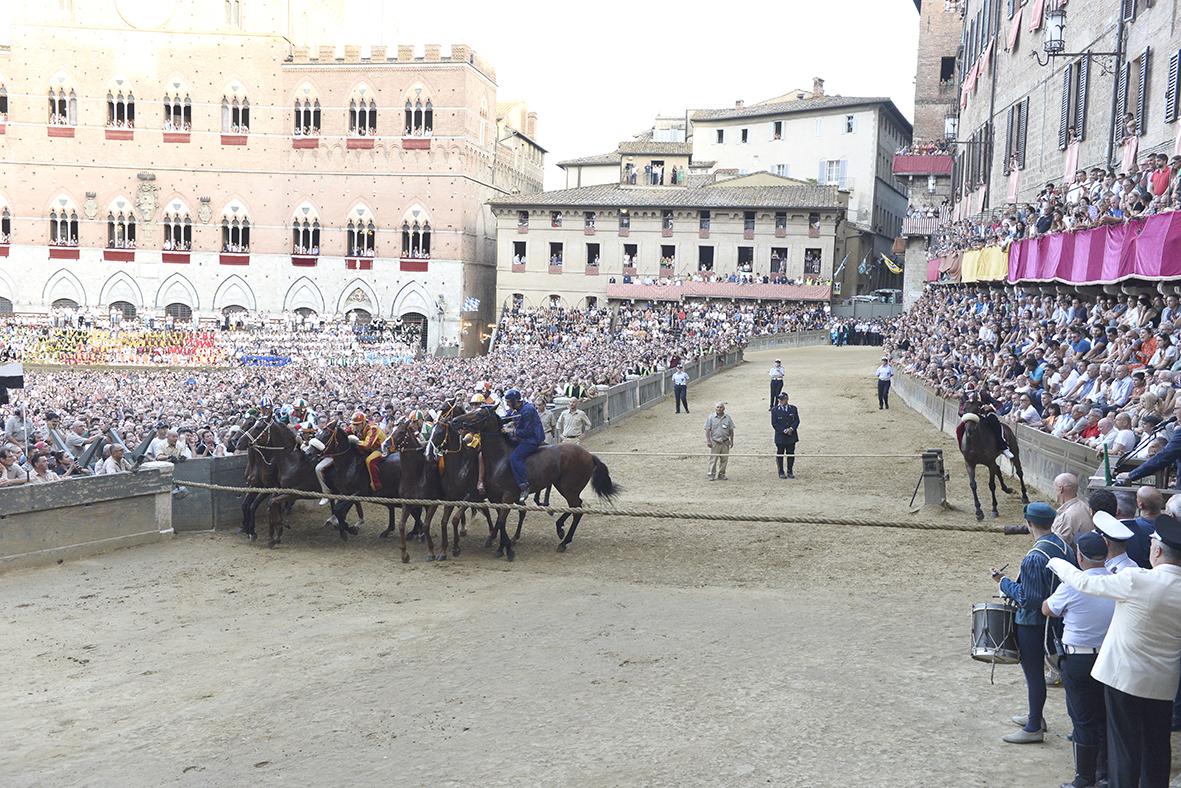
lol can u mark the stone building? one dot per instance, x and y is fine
(1032, 118)
(204, 157)
(577, 247)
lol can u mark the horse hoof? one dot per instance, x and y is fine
(455, 553)
(253, 537)
(330, 522)
(442, 557)
(405, 559)
(979, 514)
(430, 558)
(488, 542)
(242, 530)
(271, 544)
(344, 535)
(498, 554)
(511, 556)
(1007, 491)
(994, 513)
(514, 539)
(352, 529)
(1024, 498)
(561, 548)
(463, 531)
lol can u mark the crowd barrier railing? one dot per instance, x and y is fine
(1043, 456)
(76, 518)
(789, 339)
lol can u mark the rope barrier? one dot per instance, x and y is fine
(765, 456)
(649, 513)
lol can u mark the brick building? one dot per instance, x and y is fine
(210, 157)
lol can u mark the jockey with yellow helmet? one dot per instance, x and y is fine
(368, 439)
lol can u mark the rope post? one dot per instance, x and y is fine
(934, 478)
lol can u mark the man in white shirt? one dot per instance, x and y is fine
(1140, 660)
(1027, 413)
(885, 373)
(117, 463)
(158, 442)
(10, 472)
(777, 373)
(681, 387)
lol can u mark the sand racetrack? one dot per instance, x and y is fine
(652, 653)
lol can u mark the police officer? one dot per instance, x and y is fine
(885, 373)
(1086, 619)
(681, 387)
(785, 421)
(777, 373)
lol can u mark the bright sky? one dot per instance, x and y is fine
(599, 73)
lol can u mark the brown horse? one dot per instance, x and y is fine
(567, 466)
(979, 445)
(459, 473)
(295, 471)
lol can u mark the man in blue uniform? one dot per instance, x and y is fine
(1034, 585)
(785, 421)
(523, 424)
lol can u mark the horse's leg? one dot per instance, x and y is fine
(1020, 476)
(972, 483)
(340, 518)
(430, 544)
(354, 530)
(574, 504)
(994, 472)
(417, 530)
(520, 522)
(247, 512)
(560, 525)
(402, 533)
(456, 519)
(275, 521)
(255, 504)
(390, 528)
(492, 527)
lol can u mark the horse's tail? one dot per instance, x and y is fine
(601, 481)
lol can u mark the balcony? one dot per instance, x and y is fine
(304, 260)
(233, 139)
(178, 137)
(780, 232)
(748, 235)
(416, 143)
(179, 258)
(934, 164)
(518, 268)
(629, 270)
(555, 268)
(624, 232)
(64, 132)
(120, 135)
(522, 229)
(3, 127)
(360, 143)
(667, 232)
(668, 271)
(592, 270)
(119, 255)
(304, 143)
(415, 265)
(813, 232)
(63, 253)
(702, 233)
(234, 258)
(358, 263)
(3, 250)
(589, 230)
(670, 292)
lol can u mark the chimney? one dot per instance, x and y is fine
(739, 104)
(817, 87)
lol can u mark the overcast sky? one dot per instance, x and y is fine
(599, 73)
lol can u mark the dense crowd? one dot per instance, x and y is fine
(545, 353)
(1103, 372)
(1093, 199)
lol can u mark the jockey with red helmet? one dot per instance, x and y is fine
(368, 439)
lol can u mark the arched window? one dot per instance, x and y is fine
(235, 111)
(5, 226)
(363, 117)
(65, 303)
(121, 110)
(305, 237)
(3, 103)
(126, 308)
(361, 234)
(120, 230)
(178, 112)
(420, 113)
(307, 118)
(178, 228)
(179, 311)
(233, 13)
(416, 239)
(5, 306)
(235, 235)
(63, 226)
(63, 107)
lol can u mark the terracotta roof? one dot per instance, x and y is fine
(719, 290)
(504, 107)
(602, 158)
(647, 146)
(786, 107)
(794, 194)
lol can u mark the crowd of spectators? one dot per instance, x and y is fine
(929, 148)
(1092, 199)
(1102, 371)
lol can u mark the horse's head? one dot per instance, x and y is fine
(970, 420)
(483, 419)
(331, 440)
(444, 436)
(407, 435)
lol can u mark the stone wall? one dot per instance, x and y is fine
(77, 518)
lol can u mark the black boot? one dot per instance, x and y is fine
(1084, 767)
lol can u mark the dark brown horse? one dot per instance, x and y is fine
(979, 445)
(459, 474)
(420, 479)
(567, 466)
(295, 471)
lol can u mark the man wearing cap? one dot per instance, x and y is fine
(1033, 586)
(158, 442)
(885, 373)
(1115, 535)
(1086, 619)
(524, 425)
(681, 387)
(1140, 660)
(777, 373)
(785, 421)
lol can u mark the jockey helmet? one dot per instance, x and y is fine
(512, 395)
(266, 402)
(299, 404)
(358, 418)
(478, 398)
(486, 386)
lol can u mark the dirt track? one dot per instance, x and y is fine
(651, 653)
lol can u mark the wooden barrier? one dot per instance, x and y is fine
(1043, 456)
(77, 518)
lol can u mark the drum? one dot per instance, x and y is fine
(994, 633)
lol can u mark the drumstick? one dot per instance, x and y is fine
(1003, 568)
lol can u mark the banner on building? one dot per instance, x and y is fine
(471, 305)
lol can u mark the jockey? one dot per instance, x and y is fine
(368, 439)
(523, 425)
(484, 395)
(986, 409)
(472, 439)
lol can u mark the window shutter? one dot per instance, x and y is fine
(1065, 121)
(771, 131)
(1009, 137)
(1080, 110)
(1012, 8)
(1121, 92)
(1171, 90)
(1143, 93)
(1022, 125)
(1129, 9)
(823, 172)
(842, 174)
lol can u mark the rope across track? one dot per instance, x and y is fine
(764, 456)
(660, 514)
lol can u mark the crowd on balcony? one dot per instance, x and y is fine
(417, 131)
(1100, 371)
(120, 124)
(927, 210)
(309, 131)
(170, 126)
(229, 248)
(929, 148)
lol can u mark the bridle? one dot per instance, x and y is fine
(334, 440)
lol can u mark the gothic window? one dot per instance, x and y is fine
(235, 234)
(120, 230)
(178, 112)
(420, 114)
(235, 113)
(362, 113)
(305, 236)
(3, 103)
(120, 110)
(63, 226)
(307, 118)
(416, 239)
(233, 13)
(5, 226)
(361, 235)
(178, 228)
(63, 107)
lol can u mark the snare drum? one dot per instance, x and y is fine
(994, 633)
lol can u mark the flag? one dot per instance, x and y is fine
(863, 269)
(842, 268)
(894, 268)
(12, 376)
(471, 305)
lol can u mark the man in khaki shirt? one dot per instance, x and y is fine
(1074, 516)
(573, 424)
(719, 437)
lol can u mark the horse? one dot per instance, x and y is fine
(260, 472)
(979, 446)
(420, 479)
(349, 471)
(295, 471)
(567, 466)
(459, 473)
